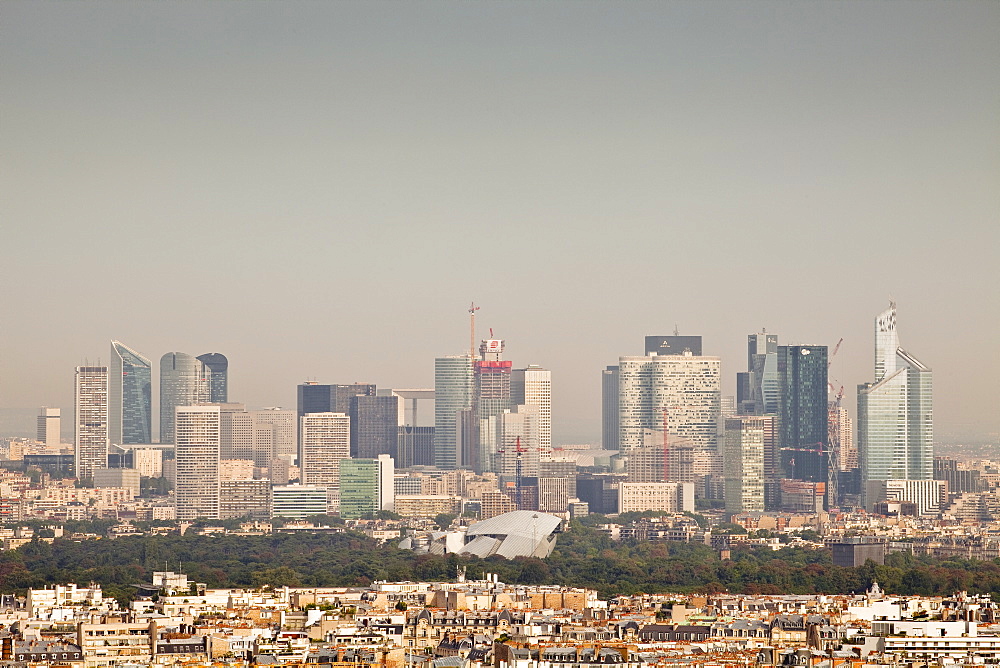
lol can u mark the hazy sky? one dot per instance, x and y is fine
(319, 189)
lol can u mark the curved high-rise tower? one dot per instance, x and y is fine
(130, 400)
(217, 367)
(183, 382)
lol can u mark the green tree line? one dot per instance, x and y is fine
(583, 557)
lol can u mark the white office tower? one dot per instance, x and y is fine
(895, 420)
(453, 377)
(91, 432)
(196, 452)
(325, 439)
(49, 425)
(386, 482)
(681, 392)
(532, 386)
(743, 453)
(519, 434)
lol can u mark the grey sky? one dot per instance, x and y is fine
(319, 189)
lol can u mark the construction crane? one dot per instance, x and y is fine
(472, 331)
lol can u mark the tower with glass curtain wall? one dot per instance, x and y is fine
(130, 399)
(452, 395)
(895, 413)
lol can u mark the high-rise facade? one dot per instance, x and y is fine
(197, 446)
(316, 398)
(490, 398)
(366, 486)
(184, 381)
(374, 426)
(532, 386)
(49, 426)
(682, 391)
(91, 420)
(216, 368)
(452, 394)
(803, 412)
(324, 440)
(130, 399)
(759, 389)
(895, 416)
(610, 425)
(743, 455)
(259, 436)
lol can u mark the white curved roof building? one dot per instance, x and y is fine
(521, 533)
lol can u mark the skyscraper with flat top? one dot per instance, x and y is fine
(197, 451)
(325, 439)
(803, 412)
(91, 418)
(130, 399)
(452, 394)
(49, 425)
(895, 417)
(532, 386)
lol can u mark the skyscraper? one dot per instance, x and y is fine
(490, 398)
(610, 425)
(316, 398)
(758, 389)
(684, 390)
(803, 413)
(895, 418)
(260, 436)
(743, 454)
(184, 381)
(453, 393)
(91, 419)
(366, 486)
(130, 400)
(49, 425)
(374, 426)
(532, 386)
(217, 373)
(325, 439)
(197, 453)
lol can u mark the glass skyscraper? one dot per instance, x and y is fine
(759, 389)
(803, 411)
(452, 394)
(130, 400)
(895, 417)
(184, 381)
(217, 371)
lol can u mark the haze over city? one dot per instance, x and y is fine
(319, 190)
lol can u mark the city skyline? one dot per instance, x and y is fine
(823, 155)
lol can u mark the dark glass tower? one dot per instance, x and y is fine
(803, 412)
(374, 426)
(130, 399)
(673, 345)
(757, 390)
(217, 371)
